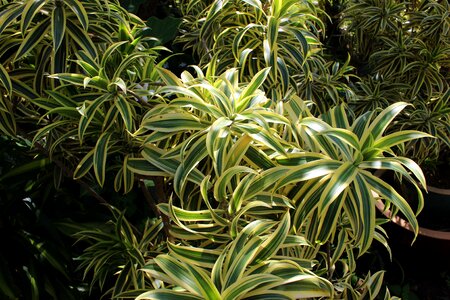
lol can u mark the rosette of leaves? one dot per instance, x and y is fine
(95, 110)
(115, 252)
(409, 50)
(282, 35)
(39, 38)
(230, 157)
(339, 189)
(245, 268)
(433, 116)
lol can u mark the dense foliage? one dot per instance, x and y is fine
(248, 174)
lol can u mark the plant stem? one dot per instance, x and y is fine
(152, 203)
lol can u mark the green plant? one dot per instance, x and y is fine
(36, 257)
(409, 56)
(260, 179)
(228, 154)
(282, 35)
(247, 267)
(119, 248)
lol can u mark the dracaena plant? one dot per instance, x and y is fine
(245, 268)
(111, 92)
(118, 247)
(101, 65)
(231, 157)
(39, 38)
(282, 35)
(410, 52)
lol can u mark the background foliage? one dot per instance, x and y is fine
(212, 149)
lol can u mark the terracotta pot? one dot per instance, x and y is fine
(441, 208)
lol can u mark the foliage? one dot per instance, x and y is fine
(405, 46)
(258, 175)
(36, 257)
(118, 248)
(253, 35)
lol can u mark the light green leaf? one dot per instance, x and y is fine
(173, 122)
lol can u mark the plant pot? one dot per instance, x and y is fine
(434, 220)
(419, 264)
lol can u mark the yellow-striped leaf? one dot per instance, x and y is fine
(100, 156)
(30, 10)
(33, 38)
(58, 26)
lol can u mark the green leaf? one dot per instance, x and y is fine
(5, 80)
(142, 167)
(10, 16)
(163, 294)
(169, 78)
(81, 38)
(31, 9)
(79, 11)
(100, 155)
(126, 112)
(399, 137)
(173, 122)
(85, 165)
(249, 90)
(220, 188)
(58, 26)
(23, 89)
(179, 273)
(382, 121)
(186, 215)
(345, 136)
(391, 195)
(239, 289)
(28, 167)
(33, 38)
(310, 170)
(209, 291)
(340, 180)
(128, 176)
(274, 241)
(241, 261)
(201, 257)
(196, 153)
(89, 114)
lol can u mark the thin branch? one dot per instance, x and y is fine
(152, 202)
